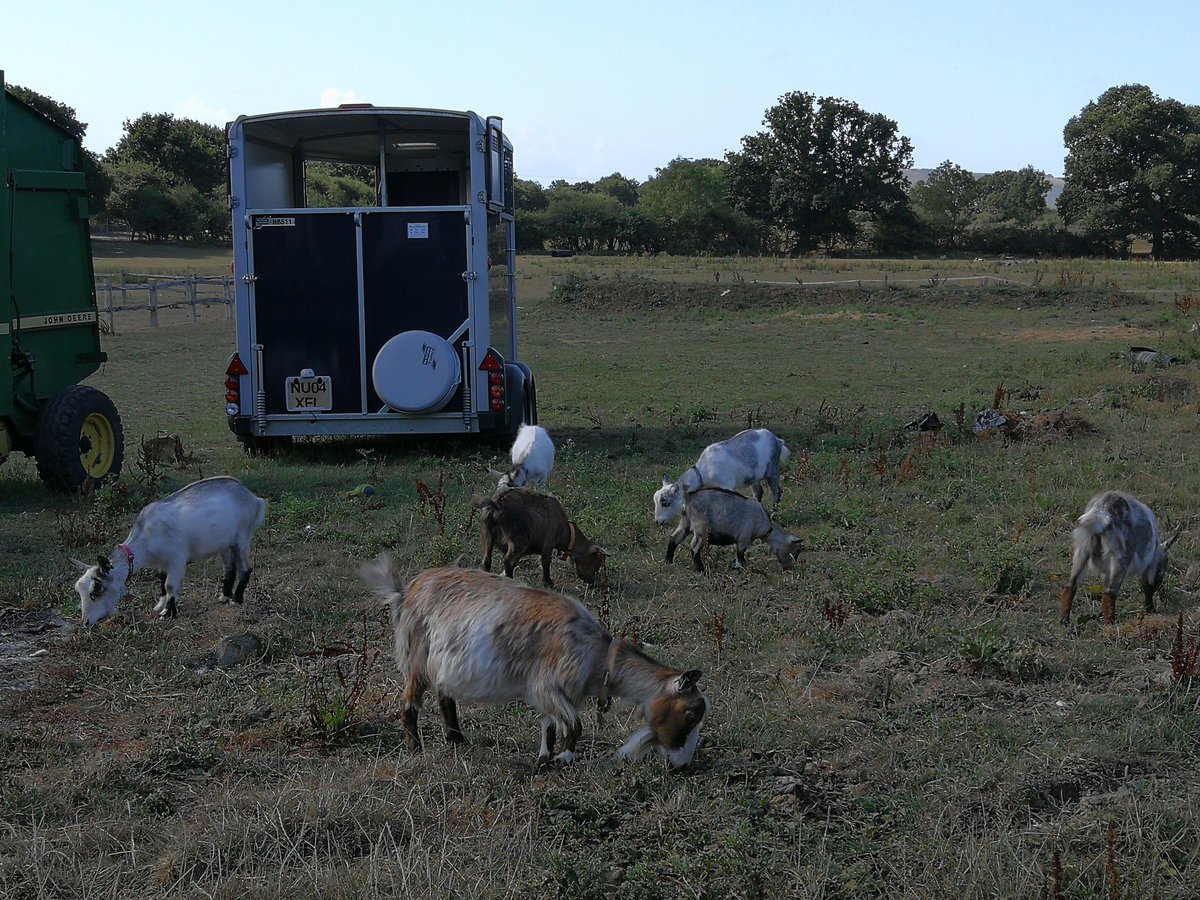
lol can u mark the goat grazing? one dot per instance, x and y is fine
(749, 457)
(721, 517)
(479, 638)
(1116, 537)
(532, 458)
(522, 522)
(211, 516)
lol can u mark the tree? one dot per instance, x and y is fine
(97, 180)
(687, 199)
(1017, 197)
(191, 151)
(817, 164)
(623, 190)
(529, 196)
(946, 202)
(1133, 170)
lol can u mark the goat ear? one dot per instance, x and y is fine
(494, 473)
(687, 681)
(81, 566)
(666, 481)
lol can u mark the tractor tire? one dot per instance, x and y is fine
(79, 440)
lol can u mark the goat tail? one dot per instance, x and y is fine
(784, 453)
(488, 508)
(384, 576)
(262, 512)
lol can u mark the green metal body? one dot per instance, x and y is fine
(49, 329)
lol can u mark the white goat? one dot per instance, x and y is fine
(477, 637)
(1116, 537)
(749, 457)
(532, 458)
(211, 516)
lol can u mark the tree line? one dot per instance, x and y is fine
(823, 174)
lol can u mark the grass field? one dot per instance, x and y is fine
(898, 716)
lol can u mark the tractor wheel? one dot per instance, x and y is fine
(79, 439)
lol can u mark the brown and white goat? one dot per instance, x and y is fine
(475, 637)
(522, 522)
(1116, 537)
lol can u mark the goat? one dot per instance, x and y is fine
(749, 457)
(207, 517)
(721, 517)
(165, 449)
(523, 522)
(476, 637)
(532, 458)
(1116, 537)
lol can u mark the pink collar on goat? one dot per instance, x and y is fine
(124, 548)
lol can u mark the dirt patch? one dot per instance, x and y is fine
(1046, 425)
(22, 652)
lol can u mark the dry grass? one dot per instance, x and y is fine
(899, 716)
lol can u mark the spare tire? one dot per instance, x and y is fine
(79, 439)
(416, 371)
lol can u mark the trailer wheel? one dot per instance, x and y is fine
(79, 439)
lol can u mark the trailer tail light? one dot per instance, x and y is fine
(494, 366)
(233, 395)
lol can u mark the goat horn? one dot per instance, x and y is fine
(1174, 538)
(82, 566)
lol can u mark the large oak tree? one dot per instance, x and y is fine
(819, 169)
(1133, 170)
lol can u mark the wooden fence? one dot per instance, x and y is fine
(124, 293)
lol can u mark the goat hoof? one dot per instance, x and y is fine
(565, 758)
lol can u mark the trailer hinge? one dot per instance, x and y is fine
(231, 151)
(234, 202)
(470, 276)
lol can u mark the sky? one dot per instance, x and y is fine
(589, 89)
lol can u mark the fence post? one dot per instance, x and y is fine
(153, 304)
(108, 304)
(190, 288)
(227, 296)
(124, 292)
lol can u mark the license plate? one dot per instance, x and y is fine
(309, 394)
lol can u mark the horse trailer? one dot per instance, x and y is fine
(391, 314)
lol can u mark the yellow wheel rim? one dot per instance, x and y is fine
(97, 446)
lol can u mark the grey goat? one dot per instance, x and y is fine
(718, 516)
(1117, 536)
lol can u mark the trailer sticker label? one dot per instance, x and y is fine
(274, 222)
(418, 230)
(32, 323)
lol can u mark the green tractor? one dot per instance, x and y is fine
(48, 320)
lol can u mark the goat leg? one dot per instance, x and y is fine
(547, 555)
(1108, 607)
(449, 711)
(1064, 604)
(548, 738)
(239, 593)
(413, 691)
